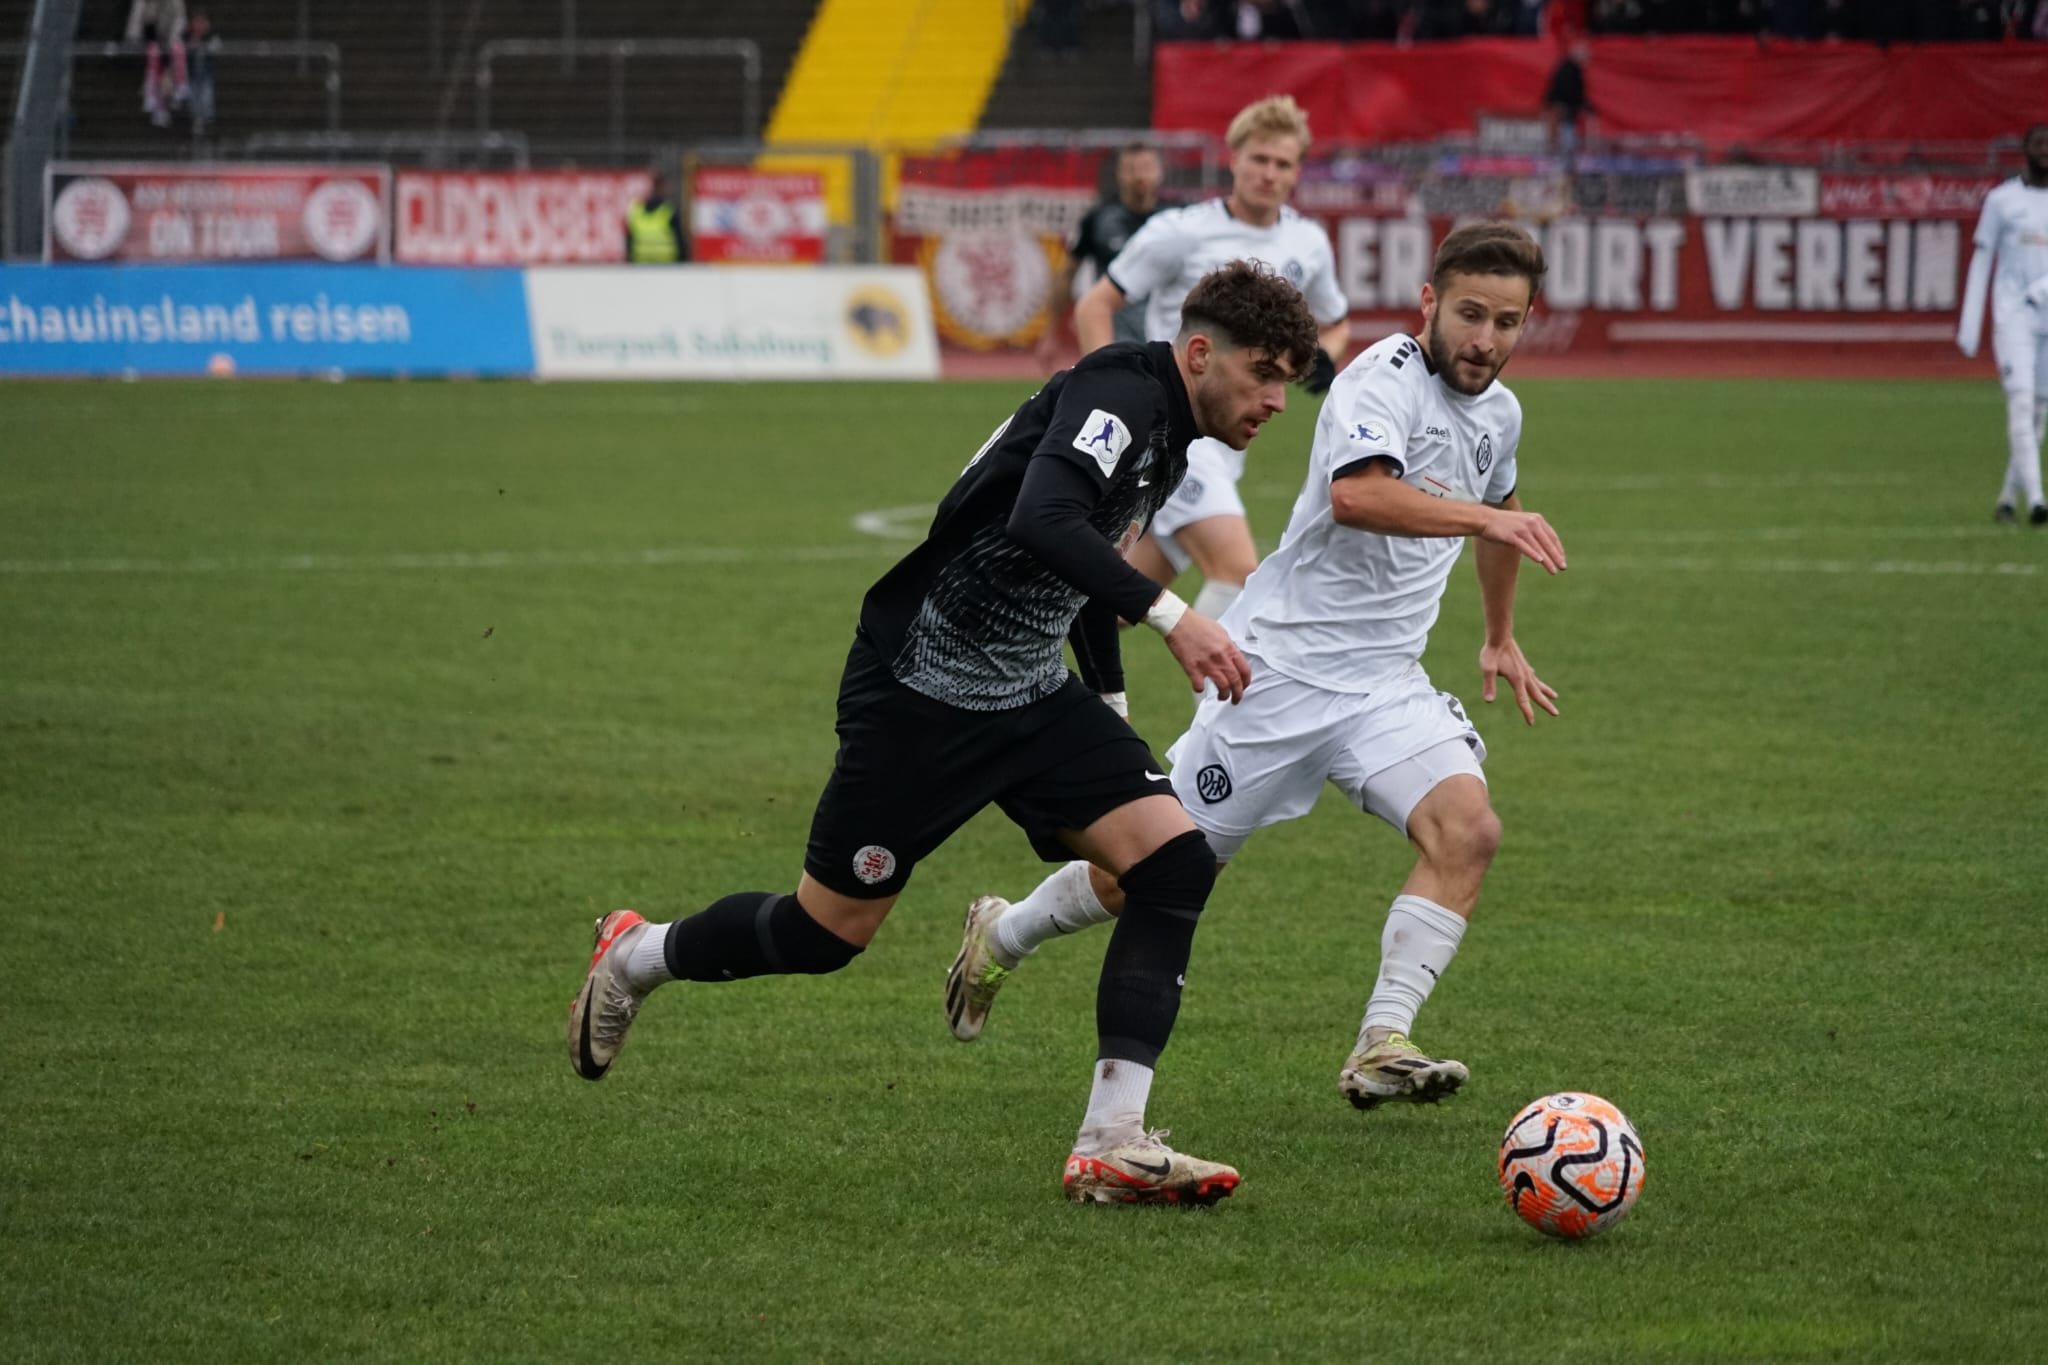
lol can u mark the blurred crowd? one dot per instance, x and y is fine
(1882, 21)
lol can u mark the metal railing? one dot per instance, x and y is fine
(743, 50)
(433, 149)
(262, 50)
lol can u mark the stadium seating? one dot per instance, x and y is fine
(1096, 86)
(411, 67)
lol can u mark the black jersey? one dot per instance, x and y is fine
(973, 618)
(1104, 231)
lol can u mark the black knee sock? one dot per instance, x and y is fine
(1147, 961)
(754, 933)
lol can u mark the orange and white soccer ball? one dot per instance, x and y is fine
(1571, 1165)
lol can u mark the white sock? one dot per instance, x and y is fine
(1215, 598)
(647, 964)
(2023, 440)
(1063, 903)
(1416, 947)
(2040, 434)
(1116, 1106)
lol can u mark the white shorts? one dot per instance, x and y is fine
(1240, 768)
(2022, 354)
(1209, 490)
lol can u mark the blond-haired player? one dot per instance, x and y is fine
(2011, 265)
(1204, 522)
(1414, 453)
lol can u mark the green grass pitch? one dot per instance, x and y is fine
(331, 715)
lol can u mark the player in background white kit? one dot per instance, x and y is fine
(1414, 453)
(1204, 521)
(2011, 263)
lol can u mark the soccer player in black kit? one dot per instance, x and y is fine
(955, 696)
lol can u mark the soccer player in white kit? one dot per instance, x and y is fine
(2011, 264)
(1414, 453)
(1203, 522)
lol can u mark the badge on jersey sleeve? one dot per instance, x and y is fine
(1105, 437)
(1374, 434)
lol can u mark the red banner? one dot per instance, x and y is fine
(515, 218)
(166, 213)
(761, 216)
(989, 227)
(1721, 90)
(1674, 282)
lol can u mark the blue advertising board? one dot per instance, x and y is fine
(262, 320)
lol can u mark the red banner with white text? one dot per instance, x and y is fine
(766, 217)
(1719, 89)
(515, 217)
(167, 213)
(1816, 284)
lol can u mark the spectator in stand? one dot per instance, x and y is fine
(1098, 239)
(1185, 20)
(160, 24)
(654, 229)
(202, 45)
(1565, 102)
(1269, 19)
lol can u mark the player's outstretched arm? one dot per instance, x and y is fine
(1056, 298)
(1500, 658)
(1095, 315)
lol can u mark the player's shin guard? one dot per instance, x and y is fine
(1143, 971)
(753, 933)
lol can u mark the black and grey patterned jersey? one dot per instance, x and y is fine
(975, 616)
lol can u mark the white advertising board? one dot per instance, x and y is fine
(731, 322)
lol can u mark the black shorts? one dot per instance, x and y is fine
(910, 771)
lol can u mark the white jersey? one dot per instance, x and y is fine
(1168, 256)
(2012, 232)
(1345, 609)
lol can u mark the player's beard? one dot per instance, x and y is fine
(1446, 362)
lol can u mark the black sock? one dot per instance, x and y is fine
(1142, 973)
(754, 933)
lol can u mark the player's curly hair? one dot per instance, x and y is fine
(1249, 304)
(1489, 249)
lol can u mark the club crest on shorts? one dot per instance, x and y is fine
(874, 864)
(1212, 784)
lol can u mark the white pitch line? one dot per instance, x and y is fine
(1538, 483)
(1984, 530)
(905, 522)
(455, 559)
(1944, 568)
(735, 554)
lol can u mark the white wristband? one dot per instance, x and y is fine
(1117, 702)
(1166, 613)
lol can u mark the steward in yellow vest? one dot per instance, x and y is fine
(654, 232)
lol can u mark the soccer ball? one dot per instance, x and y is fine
(1571, 1165)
